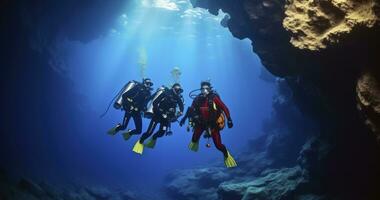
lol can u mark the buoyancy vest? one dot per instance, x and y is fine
(208, 111)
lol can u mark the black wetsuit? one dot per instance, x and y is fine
(134, 103)
(164, 109)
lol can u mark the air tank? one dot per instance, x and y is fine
(149, 110)
(119, 99)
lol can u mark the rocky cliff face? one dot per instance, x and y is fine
(315, 25)
(327, 52)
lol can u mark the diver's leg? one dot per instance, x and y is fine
(139, 147)
(127, 117)
(161, 132)
(138, 124)
(218, 141)
(197, 134)
(118, 127)
(149, 132)
(228, 159)
(194, 144)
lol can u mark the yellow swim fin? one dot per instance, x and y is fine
(229, 161)
(138, 148)
(151, 143)
(193, 146)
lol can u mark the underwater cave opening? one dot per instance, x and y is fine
(150, 41)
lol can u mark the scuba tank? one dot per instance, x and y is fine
(119, 99)
(149, 111)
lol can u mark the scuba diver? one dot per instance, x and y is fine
(206, 114)
(133, 99)
(163, 111)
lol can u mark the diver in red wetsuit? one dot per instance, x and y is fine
(207, 113)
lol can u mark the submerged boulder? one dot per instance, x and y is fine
(100, 193)
(275, 185)
(194, 184)
(31, 187)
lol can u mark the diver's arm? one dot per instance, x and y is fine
(189, 112)
(148, 97)
(220, 104)
(180, 104)
(183, 120)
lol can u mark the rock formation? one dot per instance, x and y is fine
(314, 25)
(368, 96)
(275, 184)
(27, 189)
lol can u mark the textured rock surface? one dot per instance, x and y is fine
(196, 183)
(368, 91)
(277, 184)
(28, 190)
(316, 24)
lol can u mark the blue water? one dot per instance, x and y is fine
(180, 36)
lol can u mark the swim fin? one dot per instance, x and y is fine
(229, 161)
(113, 130)
(127, 135)
(138, 148)
(151, 143)
(193, 146)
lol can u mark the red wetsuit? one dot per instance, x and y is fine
(208, 117)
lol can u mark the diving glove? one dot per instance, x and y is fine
(169, 133)
(182, 122)
(229, 123)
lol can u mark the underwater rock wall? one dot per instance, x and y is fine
(368, 96)
(316, 25)
(327, 50)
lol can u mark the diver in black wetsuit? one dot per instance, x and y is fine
(164, 113)
(134, 103)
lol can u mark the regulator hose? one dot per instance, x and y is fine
(192, 95)
(109, 105)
